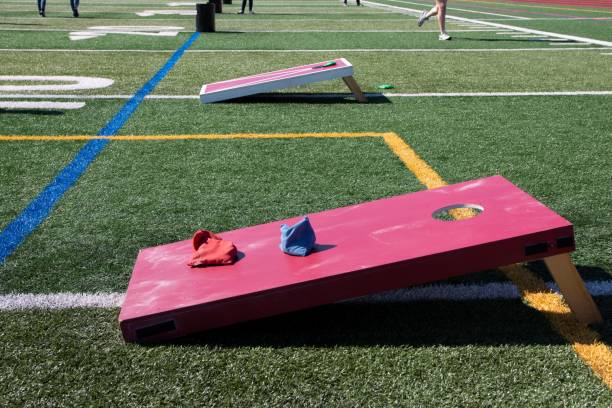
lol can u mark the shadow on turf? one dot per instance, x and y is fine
(311, 98)
(416, 324)
(397, 324)
(32, 112)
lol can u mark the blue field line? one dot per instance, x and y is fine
(40, 207)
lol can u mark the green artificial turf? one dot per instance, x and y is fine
(409, 72)
(342, 355)
(61, 40)
(149, 193)
(85, 121)
(25, 169)
(543, 144)
(374, 40)
(596, 29)
(129, 71)
(142, 193)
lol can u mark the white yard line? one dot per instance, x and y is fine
(72, 50)
(483, 94)
(467, 30)
(497, 25)
(41, 105)
(569, 43)
(318, 95)
(428, 6)
(358, 31)
(436, 292)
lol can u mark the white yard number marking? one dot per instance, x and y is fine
(46, 83)
(101, 31)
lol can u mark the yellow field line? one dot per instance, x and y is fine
(201, 136)
(585, 342)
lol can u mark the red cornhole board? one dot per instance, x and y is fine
(285, 78)
(365, 248)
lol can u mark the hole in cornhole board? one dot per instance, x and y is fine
(457, 212)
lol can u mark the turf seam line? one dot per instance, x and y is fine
(41, 206)
(534, 291)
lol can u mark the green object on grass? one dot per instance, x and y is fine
(385, 86)
(327, 64)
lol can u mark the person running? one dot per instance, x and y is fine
(440, 10)
(358, 3)
(74, 5)
(244, 5)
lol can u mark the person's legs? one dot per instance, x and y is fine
(251, 5)
(243, 7)
(441, 5)
(41, 7)
(74, 5)
(426, 14)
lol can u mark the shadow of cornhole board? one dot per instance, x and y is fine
(284, 78)
(371, 247)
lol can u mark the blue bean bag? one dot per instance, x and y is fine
(298, 239)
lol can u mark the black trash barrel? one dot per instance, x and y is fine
(218, 5)
(205, 18)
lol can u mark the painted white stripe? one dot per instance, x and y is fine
(569, 43)
(150, 13)
(58, 83)
(466, 10)
(41, 105)
(62, 96)
(461, 292)
(306, 50)
(478, 29)
(497, 25)
(436, 292)
(480, 94)
(322, 95)
(167, 34)
(60, 300)
(526, 36)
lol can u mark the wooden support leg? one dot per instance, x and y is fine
(355, 89)
(572, 287)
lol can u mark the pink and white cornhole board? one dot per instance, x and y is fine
(366, 248)
(284, 78)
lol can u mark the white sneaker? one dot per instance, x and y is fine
(444, 37)
(422, 18)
